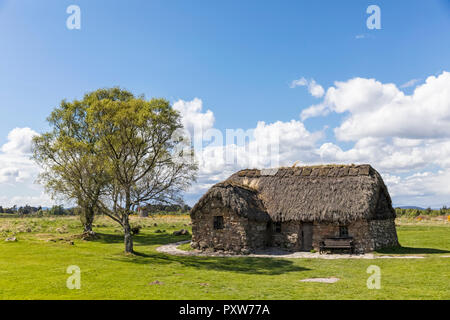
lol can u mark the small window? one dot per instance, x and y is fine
(343, 231)
(218, 222)
(278, 227)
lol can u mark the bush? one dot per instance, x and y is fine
(136, 230)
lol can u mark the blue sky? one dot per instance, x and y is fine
(238, 57)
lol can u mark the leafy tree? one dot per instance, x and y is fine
(139, 143)
(71, 167)
(113, 152)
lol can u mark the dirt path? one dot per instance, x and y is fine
(274, 253)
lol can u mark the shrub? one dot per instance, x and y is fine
(136, 230)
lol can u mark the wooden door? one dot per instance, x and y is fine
(307, 236)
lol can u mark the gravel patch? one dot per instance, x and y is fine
(274, 253)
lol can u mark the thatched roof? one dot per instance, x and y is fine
(241, 199)
(331, 193)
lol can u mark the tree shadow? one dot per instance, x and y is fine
(141, 239)
(247, 265)
(411, 250)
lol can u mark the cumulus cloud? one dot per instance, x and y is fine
(382, 110)
(410, 83)
(18, 172)
(265, 146)
(193, 119)
(19, 141)
(315, 111)
(315, 89)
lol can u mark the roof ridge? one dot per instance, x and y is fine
(329, 170)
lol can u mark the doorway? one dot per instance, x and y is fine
(307, 236)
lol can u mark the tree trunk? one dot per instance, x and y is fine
(88, 227)
(128, 238)
(87, 218)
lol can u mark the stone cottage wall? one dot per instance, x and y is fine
(238, 235)
(242, 236)
(289, 237)
(359, 230)
(367, 235)
(323, 230)
(383, 233)
(257, 235)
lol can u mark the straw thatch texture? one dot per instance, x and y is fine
(331, 193)
(239, 198)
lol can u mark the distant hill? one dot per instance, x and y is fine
(411, 207)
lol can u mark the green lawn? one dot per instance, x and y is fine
(35, 266)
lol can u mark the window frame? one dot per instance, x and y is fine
(218, 223)
(277, 227)
(343, 232)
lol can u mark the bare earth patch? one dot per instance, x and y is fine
(321, 280)
(274, 253)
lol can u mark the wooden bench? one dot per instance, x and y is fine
(337, 243)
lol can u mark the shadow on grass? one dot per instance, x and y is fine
(257, 266)
(261, 266)
(411, 250)
(141, 239)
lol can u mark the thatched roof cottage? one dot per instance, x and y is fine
(295, 208)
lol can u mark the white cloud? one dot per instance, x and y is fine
(266, 145)
(315, 89)
(193, 119)
(299, 83)
(381, 110)
(410, 83)
(19, 141)
(315, 111)
(18, 172)
(8, 175)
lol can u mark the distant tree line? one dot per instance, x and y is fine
(166, 208)
(38, 211)
(401, 212)
(59, 210)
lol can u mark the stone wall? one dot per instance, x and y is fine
(367, 235)
(240, 235)
(237, 236)
(383, 233)
(258, 236)
(323, 230)
(359, 230)
(288, 238)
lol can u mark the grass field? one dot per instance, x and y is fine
(35, 266)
